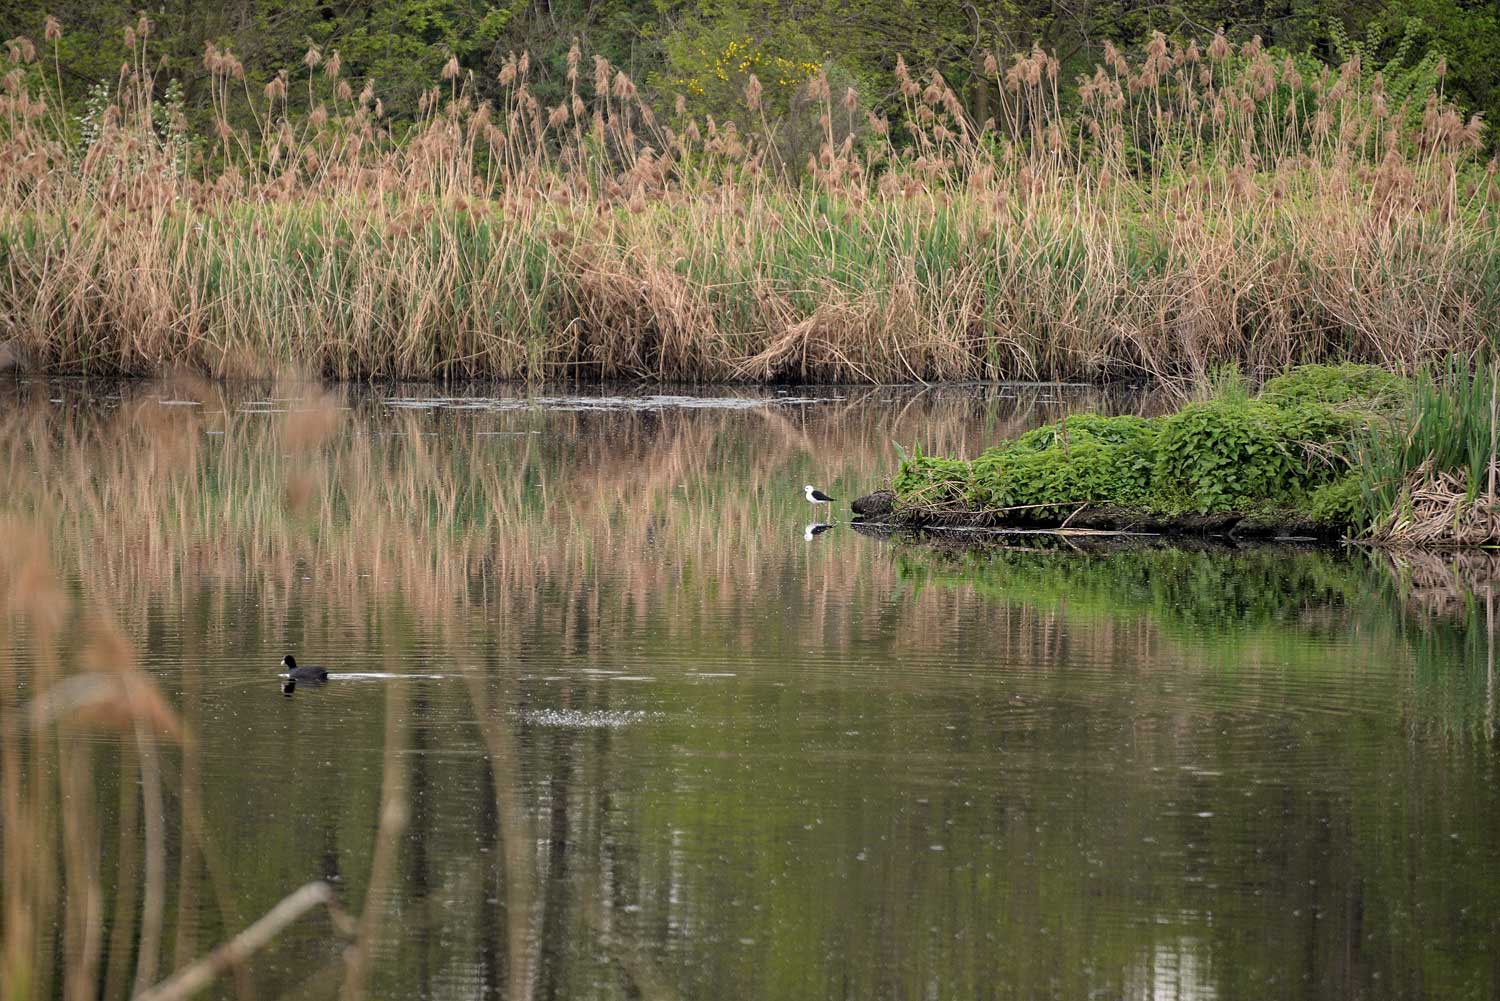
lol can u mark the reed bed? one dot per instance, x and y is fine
(1186, 207)
(1434, 478)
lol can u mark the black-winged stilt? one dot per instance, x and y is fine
(816, 496)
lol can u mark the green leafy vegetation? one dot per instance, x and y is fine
(1290, 449)
(704, 49)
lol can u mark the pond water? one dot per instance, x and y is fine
(606, 721)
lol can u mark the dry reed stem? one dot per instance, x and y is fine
(394, 815)
(232, 954)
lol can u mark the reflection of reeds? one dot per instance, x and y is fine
(498, 551)
(109, 693)
(393, 819)
(515, 836)
(362, 511)
(33, 601)
(142, 504)
(50, 821)
(1444, 584)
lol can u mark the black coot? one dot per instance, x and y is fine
(312, 674)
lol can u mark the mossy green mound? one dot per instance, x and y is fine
(1366, 387)
(1288, 450)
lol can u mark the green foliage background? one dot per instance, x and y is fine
(679, 46)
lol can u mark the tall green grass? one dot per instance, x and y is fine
(1433, 476)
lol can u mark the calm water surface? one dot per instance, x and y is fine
(637, 737)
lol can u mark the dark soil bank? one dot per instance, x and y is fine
(880, 508)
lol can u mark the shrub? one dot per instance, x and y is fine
(1340, 503)
(1224, 456)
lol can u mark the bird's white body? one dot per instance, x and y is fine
(814, 495)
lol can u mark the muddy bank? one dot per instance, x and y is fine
(881, 510)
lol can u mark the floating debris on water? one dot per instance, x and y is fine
(579, 719)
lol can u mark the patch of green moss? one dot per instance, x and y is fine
(1367, 387)
(1281, 452)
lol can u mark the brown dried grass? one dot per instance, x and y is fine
(1435, 509)
(1193, 212)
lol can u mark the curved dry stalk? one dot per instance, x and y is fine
(232, 954)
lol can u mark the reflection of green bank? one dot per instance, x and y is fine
(1283, 459)
(1257, 605)
(1184, 591)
